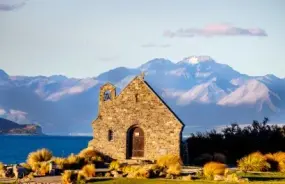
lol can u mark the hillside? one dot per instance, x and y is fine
(204, 93)
(10, 127)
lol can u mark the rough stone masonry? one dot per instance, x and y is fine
(136, 124)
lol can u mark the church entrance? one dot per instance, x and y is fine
(135, 143)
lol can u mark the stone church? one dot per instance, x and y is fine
(136, 124)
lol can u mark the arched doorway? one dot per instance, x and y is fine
(135, 142)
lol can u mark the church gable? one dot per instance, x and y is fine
(138, 91)
(135, 123)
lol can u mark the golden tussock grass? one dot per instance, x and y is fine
(88, 171)
(167, 160)
(253, 162)
(213, 168)
(41, 155)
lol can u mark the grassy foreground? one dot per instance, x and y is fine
(254, 178)
(162, 181)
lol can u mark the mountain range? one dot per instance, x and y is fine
(202, 92)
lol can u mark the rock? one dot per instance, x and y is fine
(187, 178)
(219, 178)
(232, 178)
(116, 174)
(107, 174)
(169, 176)
(162, 174)
(243, 180)
(131, 175)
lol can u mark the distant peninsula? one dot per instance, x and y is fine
(8, 127)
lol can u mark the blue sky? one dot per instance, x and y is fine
(83, 38)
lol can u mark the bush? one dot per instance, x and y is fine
(203, 159)
(74, 162)
(88, 171)
(174, 169)
(276, 161)
(68, 177)
(114, 165)
(44, 168)
(219, 157)
(213, 168)
(137, 171)
(167, 160)
(253, 162)
(38, 156)
(2, 170)
(60, 162)
(91, 155)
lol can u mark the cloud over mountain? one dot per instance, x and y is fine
(11, 5)
(216, 30)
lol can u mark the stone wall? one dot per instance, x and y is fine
(136, 105)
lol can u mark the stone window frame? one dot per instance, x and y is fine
(136, 97)
(110, 135)
(107, 95)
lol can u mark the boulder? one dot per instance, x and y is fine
(219, 178)
(187, 178)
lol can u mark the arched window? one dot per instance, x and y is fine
(107, 95)
(110, 135)
(136, 97)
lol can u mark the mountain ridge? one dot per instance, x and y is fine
(66, 105)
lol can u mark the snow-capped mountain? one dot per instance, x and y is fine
(201, 91)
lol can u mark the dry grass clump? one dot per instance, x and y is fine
(90, 155)
(168, 160)
(88, 171)
(60, 162)
(74, 162)
(174, 169)
(41, 155)
(170, 163)
(114, 165)
(69, 177)
(2, 170)
(137, 171)
(253, 162)
(213, 168)
(44, 168)
(276, 161)
(72, 177)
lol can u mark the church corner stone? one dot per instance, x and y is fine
(135, 123)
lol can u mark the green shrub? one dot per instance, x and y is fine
(213, 168)
(253, 162)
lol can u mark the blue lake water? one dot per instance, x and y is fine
(15, 149)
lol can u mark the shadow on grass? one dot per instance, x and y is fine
(252, 178)
(264, 177)
(99, 179)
